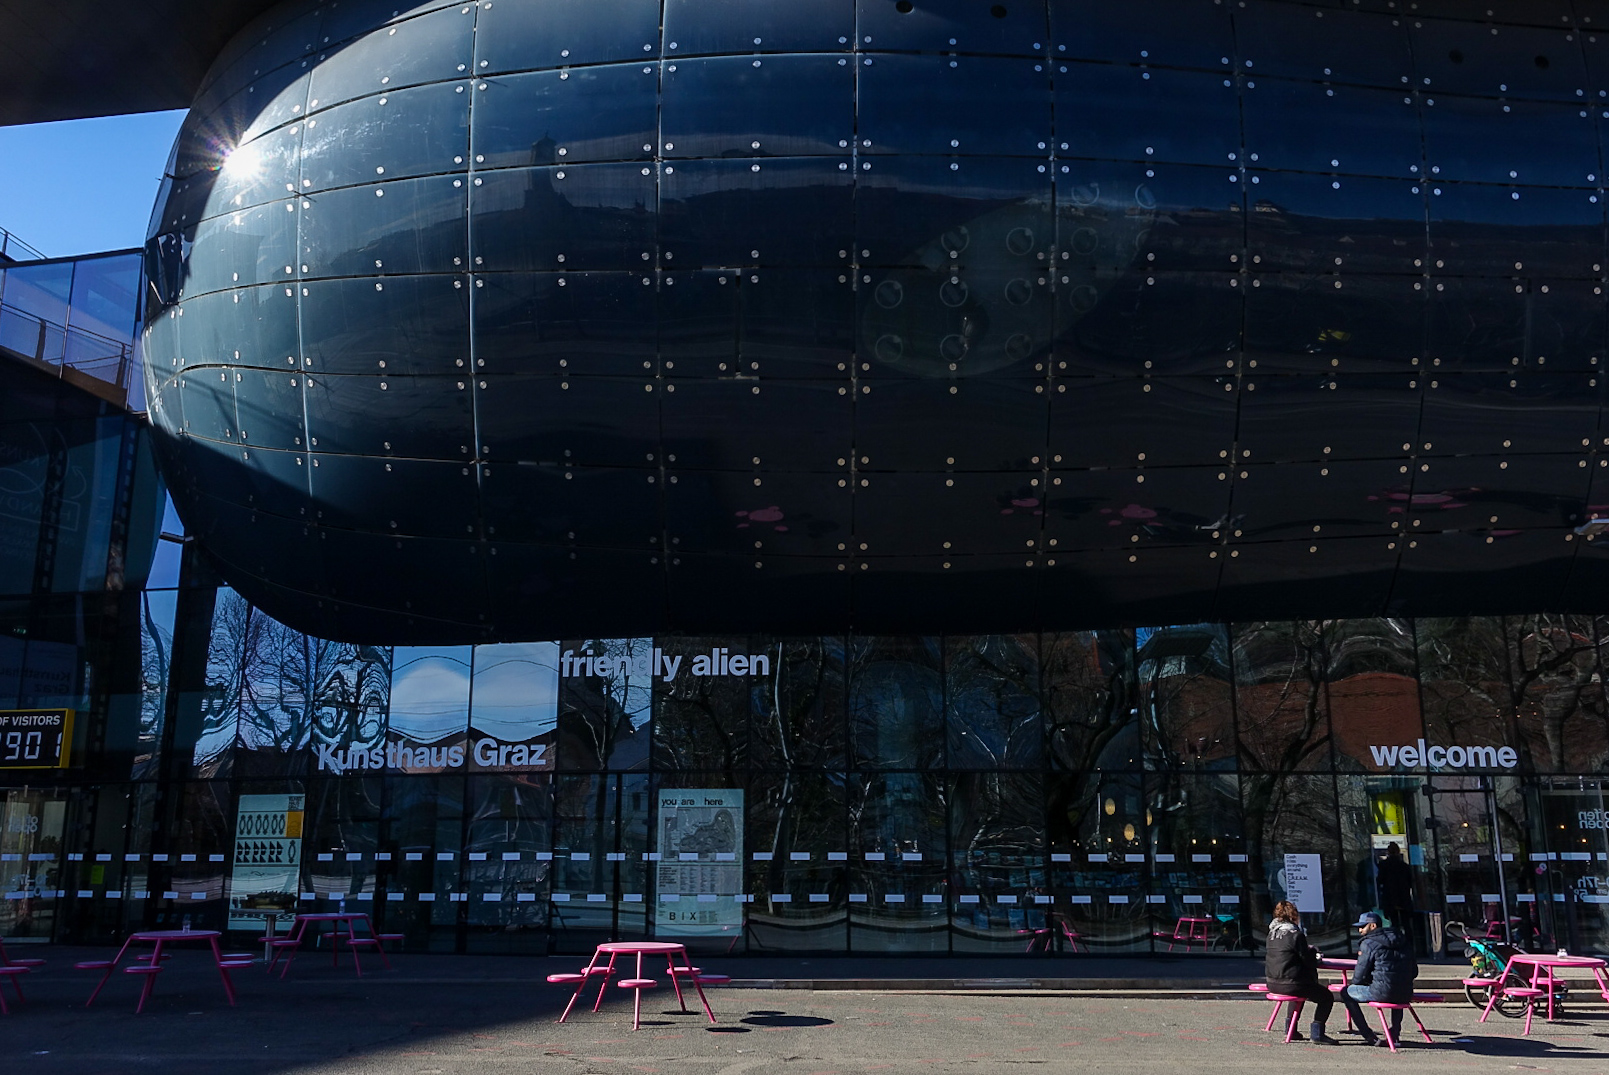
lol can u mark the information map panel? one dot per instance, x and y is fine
(35, 738)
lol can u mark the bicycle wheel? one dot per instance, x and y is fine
(1513, 1007)
(1479, 996)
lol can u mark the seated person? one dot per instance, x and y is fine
(1386, 971)
(1292, 968)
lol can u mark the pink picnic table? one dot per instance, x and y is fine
(604, 971)
(1542, 977)
(343, 925)
(153, 964)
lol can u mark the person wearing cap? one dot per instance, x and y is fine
(1385, 972)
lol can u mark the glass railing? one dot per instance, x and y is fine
(14, 249)
(46, 342)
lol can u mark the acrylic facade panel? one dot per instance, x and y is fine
(883, 310)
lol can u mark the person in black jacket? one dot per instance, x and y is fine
(1292, 969)
(1386, 971)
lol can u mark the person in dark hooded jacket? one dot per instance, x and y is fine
(1292, 968)
(1386, 971)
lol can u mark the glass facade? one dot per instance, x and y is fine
(641, 317)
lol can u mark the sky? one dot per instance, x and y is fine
(83, 185)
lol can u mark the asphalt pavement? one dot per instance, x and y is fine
(446, 1015)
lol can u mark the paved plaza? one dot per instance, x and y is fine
(466, 1016)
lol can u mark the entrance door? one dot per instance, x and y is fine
(30, 862)
(1474, 841)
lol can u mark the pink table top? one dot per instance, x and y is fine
(175, 935)
(1330, 961)
(645, 947)
(1542, 960)
(1195, 920)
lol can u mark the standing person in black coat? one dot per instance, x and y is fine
(1393, 879)
(1386, 971)
(1292, 969)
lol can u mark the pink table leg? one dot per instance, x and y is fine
(1550, 992)
(636, 998)
(223, 972)
(586, 973)
(670, 968)
(687, 961)
(608, 973)
(150, 979)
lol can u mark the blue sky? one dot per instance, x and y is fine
(83, 185)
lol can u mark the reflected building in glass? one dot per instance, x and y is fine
(850, 476)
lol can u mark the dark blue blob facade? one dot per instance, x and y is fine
(561, 318)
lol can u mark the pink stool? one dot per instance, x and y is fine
(107, 965)
(1296, 1004)
(1525, 993)
(7, 961)
(13, 973)
(150, 973)
(637, 985)
(285, 946)
(1382, 1007)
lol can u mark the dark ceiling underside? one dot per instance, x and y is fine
(71, 59)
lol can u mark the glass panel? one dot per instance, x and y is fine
(780, 513)
(1300, 323)
(1186, 704)
(799, 821)
(984, 106)
(409, 132)
(898, 862)
(1279, 416)
(896, 712)
(587, 114)
(918, 212)
(1323, 224)
(1556, 691)
(402, 325)
(594, 216)
(1190, 420)
(1146, 114)
(946, 24)
(411, 226)
(1467, 57)
(1154, 30)
(780, 426)
(592, 324)
(1505, 141)
(249, 326)
(933, 425)
(699, 26)
(754, 105)
(998, 824)
(797, 322)
(258, 171)
(1279, 698)
(601, 506)
(604, 713)
(431, 48)
(1111, 509)
(1313, 43)
(413, 496)
(269, 407)
(1096, 829)
(1497, 413)
(595, 420)
(1463, 667)
(513, 815)
(799, 709)
(1317, 502)
(513, 37)
(253, 246)
(1088, 679)
(421, 417)
(1474, 492)
(1546, 232)
(299, 691)
(1294, 815)
(700, 722)
(991, 702)
(1198, 876)
(209, 404)
(1311, 127)
(106, 296)
(771, 212)
(513, 716)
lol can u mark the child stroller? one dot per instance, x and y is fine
(1490, 962)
